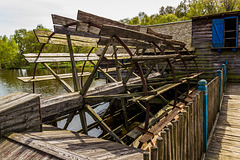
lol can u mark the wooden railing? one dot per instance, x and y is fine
(188, 135)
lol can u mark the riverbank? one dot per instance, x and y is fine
(52, 65)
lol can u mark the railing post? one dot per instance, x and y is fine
(224, 74)
(219, 74)
(226, 67)
(202, 86)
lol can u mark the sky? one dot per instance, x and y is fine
(27, 14)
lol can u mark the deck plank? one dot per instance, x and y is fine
(67, 144)
(225, 143)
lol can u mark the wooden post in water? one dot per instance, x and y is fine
(203, 87)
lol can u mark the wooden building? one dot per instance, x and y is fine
(214, 38)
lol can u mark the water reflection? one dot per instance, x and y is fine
(10, 84)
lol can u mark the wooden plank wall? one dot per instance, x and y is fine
(20, 112)
(213, 102)
(210, 60)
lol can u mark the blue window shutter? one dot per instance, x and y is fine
(218, 32)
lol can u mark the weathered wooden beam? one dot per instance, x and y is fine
(69, 119)
(150, 31)
(119, 76)
(60, 20)
(83, 120)
(153, 57)
(96, 117)
(112, 96)
(48, 148)
(159, 126)
(61, 39)
(109, 31)
(153, 120)
(174, 42)
(50, 77)
(20, 112)
(150, 70)
(76, 82)
(62, 82)
(160, 90)
(47, 34)
(94, 19)
(56, 106)
(59, 105)
(58, 57)
(105, 73)
(91, 77)
(143, 107)
(72, 31)
(129, 42)
(123, 105)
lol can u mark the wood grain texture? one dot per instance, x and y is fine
(20, 112)
(70, 145)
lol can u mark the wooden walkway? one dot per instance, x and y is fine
(54, 143)
(225, 143)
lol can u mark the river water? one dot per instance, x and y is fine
(10, 84)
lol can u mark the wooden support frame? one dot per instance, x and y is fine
(62, 82)
(99, 119)
(123, 35)
(91, 77)
(76, 81)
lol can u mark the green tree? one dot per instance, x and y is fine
(230, 5)
(196, 8)
(146, 20)
(181, 9)
(125, 20)
(9, 57)
(134, 21)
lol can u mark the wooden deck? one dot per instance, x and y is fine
(54, 143)
(225, 142)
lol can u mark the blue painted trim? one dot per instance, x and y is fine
(218, 32)
(202, 86)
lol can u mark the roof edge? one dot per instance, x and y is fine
(166, 23)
